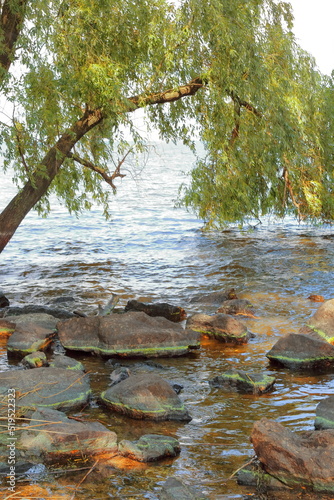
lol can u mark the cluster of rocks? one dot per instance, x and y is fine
(60, 384)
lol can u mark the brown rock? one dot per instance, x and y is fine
(304, 459)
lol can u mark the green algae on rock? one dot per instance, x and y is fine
(243, 382)
(223, 327)
(324, 416)
(35, 359)
(146, 397)
(28, 338)
(57, 438)
(55, 388)
(133, 334)
(150, 448)
(301, 352)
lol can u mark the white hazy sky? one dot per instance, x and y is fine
(315, 31)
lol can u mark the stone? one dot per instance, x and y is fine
(301, 352)
(168, 311)
(215, 298)
(321, 324)
(36, 309)
(28, 338)
(145, 396)
(4, 302)
(237, 306)
(174, 489)
(296, 460)
(40, 319)
(324, 415)
(243, 382)
(60, 438)
(149, 448)
(60, 361)
(131, 334)
(6, 327)
(223, 327)
(35, 359)
(121, 373)
(54, 388)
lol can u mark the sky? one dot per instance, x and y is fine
(314, 30)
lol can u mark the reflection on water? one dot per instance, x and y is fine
(151, 251)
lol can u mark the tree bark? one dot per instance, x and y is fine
(37, 186)
(11, 19)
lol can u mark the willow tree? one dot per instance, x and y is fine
(226, 71)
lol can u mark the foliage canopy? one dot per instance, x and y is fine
(228, 72)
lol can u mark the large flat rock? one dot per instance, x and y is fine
(130, 334)
(321, 325)
(55, 437)
(55, 388)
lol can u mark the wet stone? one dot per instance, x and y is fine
(150, 448)
(35, 359)
(60, 361)
(301, 352)
(243, 382)
(321, 324)
(131, 334)
(61, 438)
(324, 416)
(54, 388)
(28, 338)
(4, 302)
(295, 459)
(168, 311)
(237, 306)
(215, 298)
(147, 397)
(174, 489)
(222, 327)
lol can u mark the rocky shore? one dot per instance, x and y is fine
(51, 384)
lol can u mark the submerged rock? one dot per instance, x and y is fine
(243, 382)
(220, 326)
(145, 396)
(119, 374)
(237, 306)
(296, 460)
(168, 311)
(301, 352)
(174, 489)
(215, 298)
(321, 324)
(60, 438)
(130, 334)
(324, 416)
(36, 359)
(28, 338)
(150, 448)
(55, 388)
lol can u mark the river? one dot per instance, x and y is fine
(151, 251)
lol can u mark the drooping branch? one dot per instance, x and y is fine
(238, 104)
(11, 19)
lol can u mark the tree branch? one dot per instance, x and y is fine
(108, 178)
(170, 95)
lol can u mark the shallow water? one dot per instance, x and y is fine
(151, 251)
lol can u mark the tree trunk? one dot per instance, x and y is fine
(32, 192)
